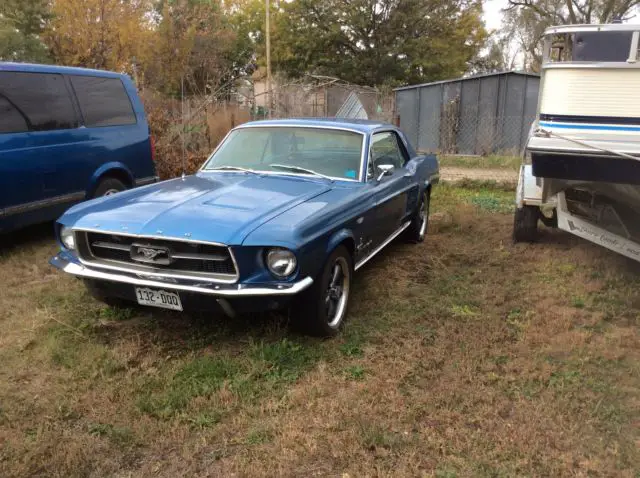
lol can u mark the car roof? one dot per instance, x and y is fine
(363, 126)
(67, 70)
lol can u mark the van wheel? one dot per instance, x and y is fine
(108, 187)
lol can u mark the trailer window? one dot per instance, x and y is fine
(561, 48)
(601, 47)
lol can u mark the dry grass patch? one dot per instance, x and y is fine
(463, 356)
(493, 161)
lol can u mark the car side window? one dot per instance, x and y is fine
(103, 101)
(34, 102)
(385, 149)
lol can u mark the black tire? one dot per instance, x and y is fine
(98, 295)
(311, 311)
(525, 224)
(108, 186)
(419, 226)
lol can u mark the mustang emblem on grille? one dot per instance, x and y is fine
(150, 254)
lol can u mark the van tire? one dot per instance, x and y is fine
(109, 186)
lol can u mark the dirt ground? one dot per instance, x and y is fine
(449, 173)
(464, 356)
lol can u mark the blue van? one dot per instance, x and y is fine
(66, 135)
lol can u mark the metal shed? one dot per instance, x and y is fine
(484, 114)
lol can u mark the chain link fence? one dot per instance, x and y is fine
(483, 115)
(187, 130)
(469, 135)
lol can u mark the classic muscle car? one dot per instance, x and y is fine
(280, 215)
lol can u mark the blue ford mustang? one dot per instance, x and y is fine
(280, 215)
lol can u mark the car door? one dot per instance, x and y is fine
(392, 192)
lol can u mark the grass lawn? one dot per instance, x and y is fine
(481, 162)
(462, 356)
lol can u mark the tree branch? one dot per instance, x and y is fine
(572, 13)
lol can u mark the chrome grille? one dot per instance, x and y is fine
(154, 255)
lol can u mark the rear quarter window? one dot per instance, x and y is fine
(103, 101)
(34, 102)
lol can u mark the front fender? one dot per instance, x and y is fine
(107, 168)
(339, 237)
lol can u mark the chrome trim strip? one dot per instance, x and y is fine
(155, 272)
(230, 291)
(53, 201)
(311, 126)
(618, 27)
(110, 245)
(633, 51)
(363, 155)
(183, 255)
(140, 236)
(260, 172)
(199, 257)
(366, 259)
(150, 271)
(147, 180)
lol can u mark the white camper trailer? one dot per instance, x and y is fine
(582, 161)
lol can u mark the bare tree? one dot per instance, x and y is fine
(526, 20)
(568, 12)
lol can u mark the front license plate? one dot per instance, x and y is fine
(158, 298)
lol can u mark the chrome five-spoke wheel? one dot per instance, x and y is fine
(417, 230)
(337, 293)
(424, 215)
(322, 308)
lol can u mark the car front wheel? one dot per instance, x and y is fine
(321, 309)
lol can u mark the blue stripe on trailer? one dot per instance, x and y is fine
(548, 124)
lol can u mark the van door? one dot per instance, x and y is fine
(37, 124)
(111, 123)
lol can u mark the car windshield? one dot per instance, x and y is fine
(308, 151)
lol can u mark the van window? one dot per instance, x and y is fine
(34, 102)
(103, 101)
(11, 119)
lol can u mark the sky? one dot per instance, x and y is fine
(492, 13)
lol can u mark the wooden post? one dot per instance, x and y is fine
(268, 41)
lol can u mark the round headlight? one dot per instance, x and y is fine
(281, 262)
(67, 238)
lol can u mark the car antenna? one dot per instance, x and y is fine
(182, 114)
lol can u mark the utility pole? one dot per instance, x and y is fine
(268, 35)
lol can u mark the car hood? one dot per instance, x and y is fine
(215, 207)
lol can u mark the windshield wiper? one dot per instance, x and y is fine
(301, 170)
(232, 168)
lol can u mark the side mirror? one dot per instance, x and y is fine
(384, 170)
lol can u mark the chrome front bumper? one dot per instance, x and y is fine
(209, 288)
